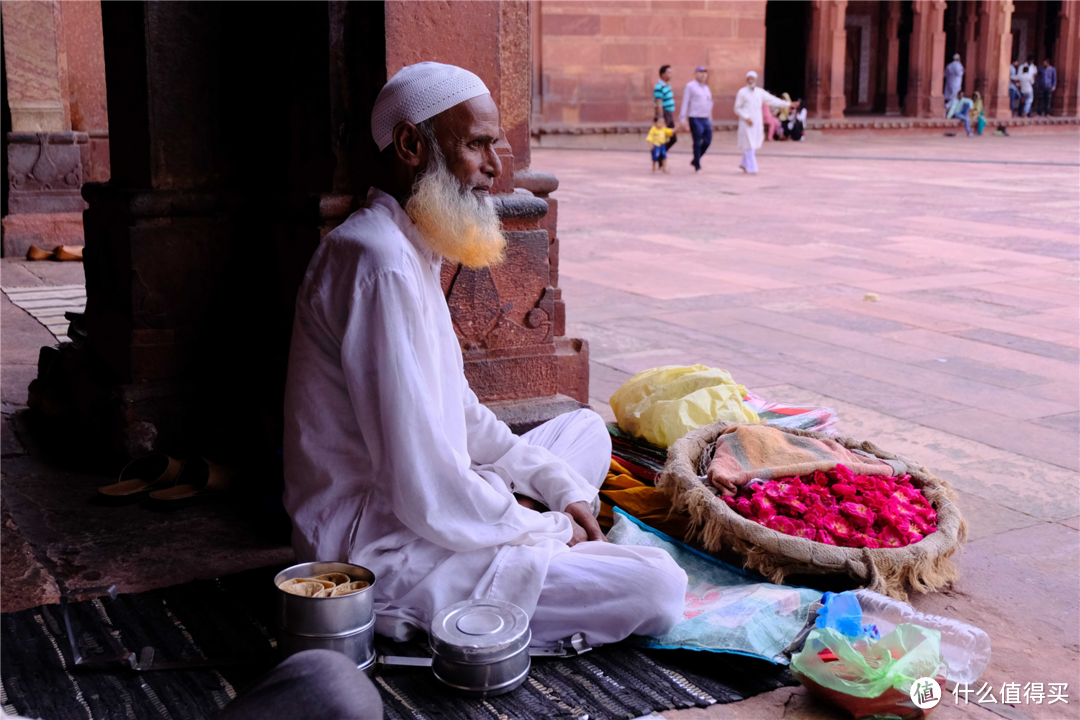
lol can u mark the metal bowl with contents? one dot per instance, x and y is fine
(480, 648)
(344, 623)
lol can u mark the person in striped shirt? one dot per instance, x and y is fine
(664, 101)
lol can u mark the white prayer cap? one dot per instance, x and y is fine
(752, 74)
(956, 56)
(418, 92)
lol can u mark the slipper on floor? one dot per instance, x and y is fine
(68, 252)
(153, 472)
(36, 253)
(200, 480)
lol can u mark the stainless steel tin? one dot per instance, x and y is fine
(345, 623)
(359, 646)
(325, 616)
(481, 647)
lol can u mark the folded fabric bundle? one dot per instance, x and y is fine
(623, 490)
(746, 452)
(796, 417)
(643, 459)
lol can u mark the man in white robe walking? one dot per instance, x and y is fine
(390, 460)
(748, 103)
(954, 79)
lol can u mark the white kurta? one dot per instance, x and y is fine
(954, 79)
(748, 105)
(390, 460)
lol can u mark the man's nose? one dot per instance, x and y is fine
(493, 165)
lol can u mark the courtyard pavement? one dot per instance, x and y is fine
(968, 361)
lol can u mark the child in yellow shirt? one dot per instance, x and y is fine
(658, 137)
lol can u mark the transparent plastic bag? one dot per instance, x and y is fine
(870, 678)
(964, 648)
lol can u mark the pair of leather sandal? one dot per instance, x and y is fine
(167, 481)
(60, 252)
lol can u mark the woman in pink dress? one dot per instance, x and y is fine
(772, 125)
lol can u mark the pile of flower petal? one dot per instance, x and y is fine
(840, 508)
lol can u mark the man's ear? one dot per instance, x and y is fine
(409, 144)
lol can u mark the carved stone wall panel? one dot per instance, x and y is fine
(513, 378)
(45, 172)
(510, 305)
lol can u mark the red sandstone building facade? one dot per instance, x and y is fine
(598, 60)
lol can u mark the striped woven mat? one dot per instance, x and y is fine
(48, 304)
(226, 618)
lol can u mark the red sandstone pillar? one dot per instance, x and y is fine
(992, 60)
(926, 61)
(969, 51)
(510, 319)
(1067, 61)
(45, 158)
(825, 64)
(892, 57)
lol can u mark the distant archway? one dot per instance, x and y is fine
(787, 25)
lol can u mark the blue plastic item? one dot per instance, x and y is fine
(843, 613)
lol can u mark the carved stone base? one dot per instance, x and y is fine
(45, 172)
(523, 415)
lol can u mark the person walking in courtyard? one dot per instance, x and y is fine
(1047, 85)
(658, 137)
(696, 113)
(664, 102)
(954, 79)
(748, 104)
(1025, 78)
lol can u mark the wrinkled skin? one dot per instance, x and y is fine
(467, 134)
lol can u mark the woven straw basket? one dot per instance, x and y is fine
(923, 566)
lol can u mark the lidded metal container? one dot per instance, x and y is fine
(345, 623)
(481, 647)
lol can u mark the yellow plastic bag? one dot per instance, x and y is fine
(663, 404)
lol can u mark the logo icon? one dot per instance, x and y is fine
(925, 693)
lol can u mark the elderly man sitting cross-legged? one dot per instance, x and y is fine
(390, 460)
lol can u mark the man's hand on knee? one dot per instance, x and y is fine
(585, 525)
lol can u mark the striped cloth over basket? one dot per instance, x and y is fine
(48, 305)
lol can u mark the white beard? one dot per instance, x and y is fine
(453, 221)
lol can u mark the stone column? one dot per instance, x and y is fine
(993, 55)
(86, 82)
(1067, 61)
(826, 53)
(926, 61)
(45, 159)
(511, 318)
(969, 45)
(892, 56)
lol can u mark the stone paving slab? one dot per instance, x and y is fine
(968, 362)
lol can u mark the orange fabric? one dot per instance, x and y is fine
(646, 503)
